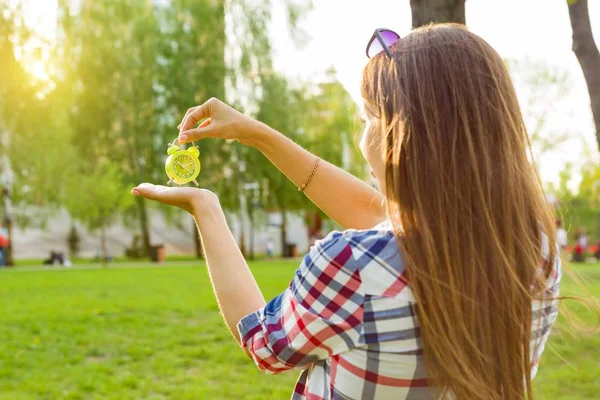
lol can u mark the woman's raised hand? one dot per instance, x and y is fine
(215, 119)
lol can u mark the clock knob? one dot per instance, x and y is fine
(172, 149)
(194, 150)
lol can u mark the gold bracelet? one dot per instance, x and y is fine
(310, 177)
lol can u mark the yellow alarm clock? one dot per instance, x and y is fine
(182, 165)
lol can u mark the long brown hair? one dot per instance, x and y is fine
(467, 204)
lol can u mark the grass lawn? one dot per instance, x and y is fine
(155, 333)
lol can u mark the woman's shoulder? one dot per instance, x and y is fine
(371, 253)
(374, 241)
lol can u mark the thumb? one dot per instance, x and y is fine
(146, 190)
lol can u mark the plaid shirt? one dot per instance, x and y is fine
(348, 321)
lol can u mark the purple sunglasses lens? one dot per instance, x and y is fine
(389, 38)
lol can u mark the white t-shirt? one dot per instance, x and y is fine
(561, 237)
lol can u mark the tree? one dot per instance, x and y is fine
(11, 89)
(110, 60)
(332, 124)
(137, 66)
(281, 108)
(562, 190)
(251, 82)
(589, 187)
(587, 54)
(74, 241)
(95, 196)
(323, 119)
(579, 209)
(589, 193)
(190, 71)
(33, 134)
(438, 11)
(331, 128)
(126, 73)
(542, 88)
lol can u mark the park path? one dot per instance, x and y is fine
(84, 267)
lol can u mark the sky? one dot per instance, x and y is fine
(536, 33)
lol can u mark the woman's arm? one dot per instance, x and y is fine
(235, 288)
(345, 198)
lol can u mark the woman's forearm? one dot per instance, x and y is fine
(235, 288)
(343, 197)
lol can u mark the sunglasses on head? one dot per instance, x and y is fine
(381, 40)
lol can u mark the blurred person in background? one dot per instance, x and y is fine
(3, 245)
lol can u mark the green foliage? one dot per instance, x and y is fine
(562, 190)
(110, 53)
(125, 74)
(134, 68)
(333, 126)
(39, 155)
(577, 217)
(33, 134)
(281, 108)
(579, 210)
(122, 334)
(191, 70)
(96, 196)
(322, 118)
(139, 66)
(589, 187)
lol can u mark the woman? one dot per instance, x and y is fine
(443, 285)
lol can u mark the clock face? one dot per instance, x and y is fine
(184, 166)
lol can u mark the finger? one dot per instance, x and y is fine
(195, 116)
(198, 114)
(185, 116)
(204, 124)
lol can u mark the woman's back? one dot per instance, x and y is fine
(350, 321)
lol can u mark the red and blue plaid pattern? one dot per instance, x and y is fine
(348, 321)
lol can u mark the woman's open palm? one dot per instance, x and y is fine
(186, 198)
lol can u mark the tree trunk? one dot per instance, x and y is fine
(198, 241)
(242, 241)
(251, 232)
(145, 226)
(588, 56)
(438, 11)
(315, 227)
(283, 233)
(103, 245)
